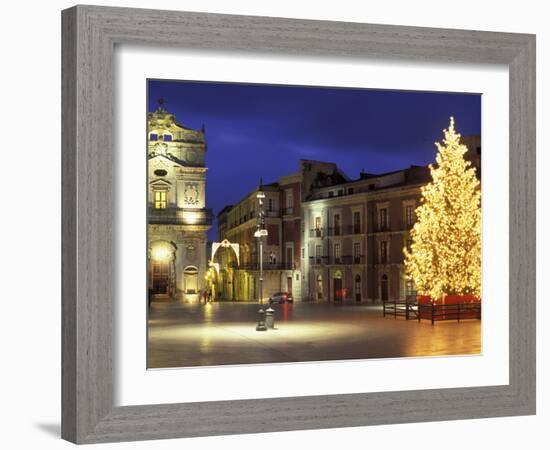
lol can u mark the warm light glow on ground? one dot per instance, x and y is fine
(225, 333)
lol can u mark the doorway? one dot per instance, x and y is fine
(161, 277)
(338, 294)
(384, 288)
(358, 288)
(289, 285)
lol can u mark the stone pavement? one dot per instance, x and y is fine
(225, 333)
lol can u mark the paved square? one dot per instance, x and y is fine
(225, 333)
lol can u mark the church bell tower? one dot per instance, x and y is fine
(177, 215)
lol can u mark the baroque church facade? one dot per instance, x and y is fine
(177, 218)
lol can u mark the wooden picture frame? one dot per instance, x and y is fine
(90, 34)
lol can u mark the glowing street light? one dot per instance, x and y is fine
(260, 233)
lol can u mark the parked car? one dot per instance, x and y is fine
(281, 297)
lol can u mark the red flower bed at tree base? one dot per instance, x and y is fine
(425, 313)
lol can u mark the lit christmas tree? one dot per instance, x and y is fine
(445, 255)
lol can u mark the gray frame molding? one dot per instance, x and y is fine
(89, 37)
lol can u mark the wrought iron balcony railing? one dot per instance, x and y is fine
(344, 230)
(316, 232)
(177, 216)
(266, 266)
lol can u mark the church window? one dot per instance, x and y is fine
(160, 199)
(160, 173)
(167, 138)
(154, 137)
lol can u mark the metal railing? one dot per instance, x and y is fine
(348, 259)
(408, 310)
(316, 232)
(345, 259)
(382, 228)
(318, 260)
(175, 216)
(344, 230)
(456, 311)
(430, 311)
(266, 266)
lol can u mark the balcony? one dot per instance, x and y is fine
(348, 259)
(179, 216)
(335, 260)
(382, 228)
(318, 260)
(344, 230)
(287, 211)
(246, 217)
(316, 232)
(266, 266)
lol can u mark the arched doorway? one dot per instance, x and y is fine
(358, 288)
(191, 280)
(230, 283)
(162, 280)
(384, 288)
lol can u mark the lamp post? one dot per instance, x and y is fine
(260, 233)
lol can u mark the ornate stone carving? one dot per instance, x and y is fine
(191, 194)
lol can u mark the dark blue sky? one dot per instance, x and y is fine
(264, 130)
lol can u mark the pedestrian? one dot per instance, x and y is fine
(204, 296)
(209, 296)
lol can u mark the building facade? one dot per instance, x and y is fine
(237, 224)
(178, 218)
(330, 238)
(282, 249)
(355, 234)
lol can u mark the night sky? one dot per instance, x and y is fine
(264, 130)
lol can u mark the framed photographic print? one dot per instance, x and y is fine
(335, 219)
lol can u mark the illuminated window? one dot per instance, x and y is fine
(160, 199)
(318, 223)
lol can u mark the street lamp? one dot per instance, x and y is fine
(260, 233)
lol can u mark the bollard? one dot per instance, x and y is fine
(261, 321)
(270, 318)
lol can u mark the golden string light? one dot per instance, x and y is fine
(445, 255)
